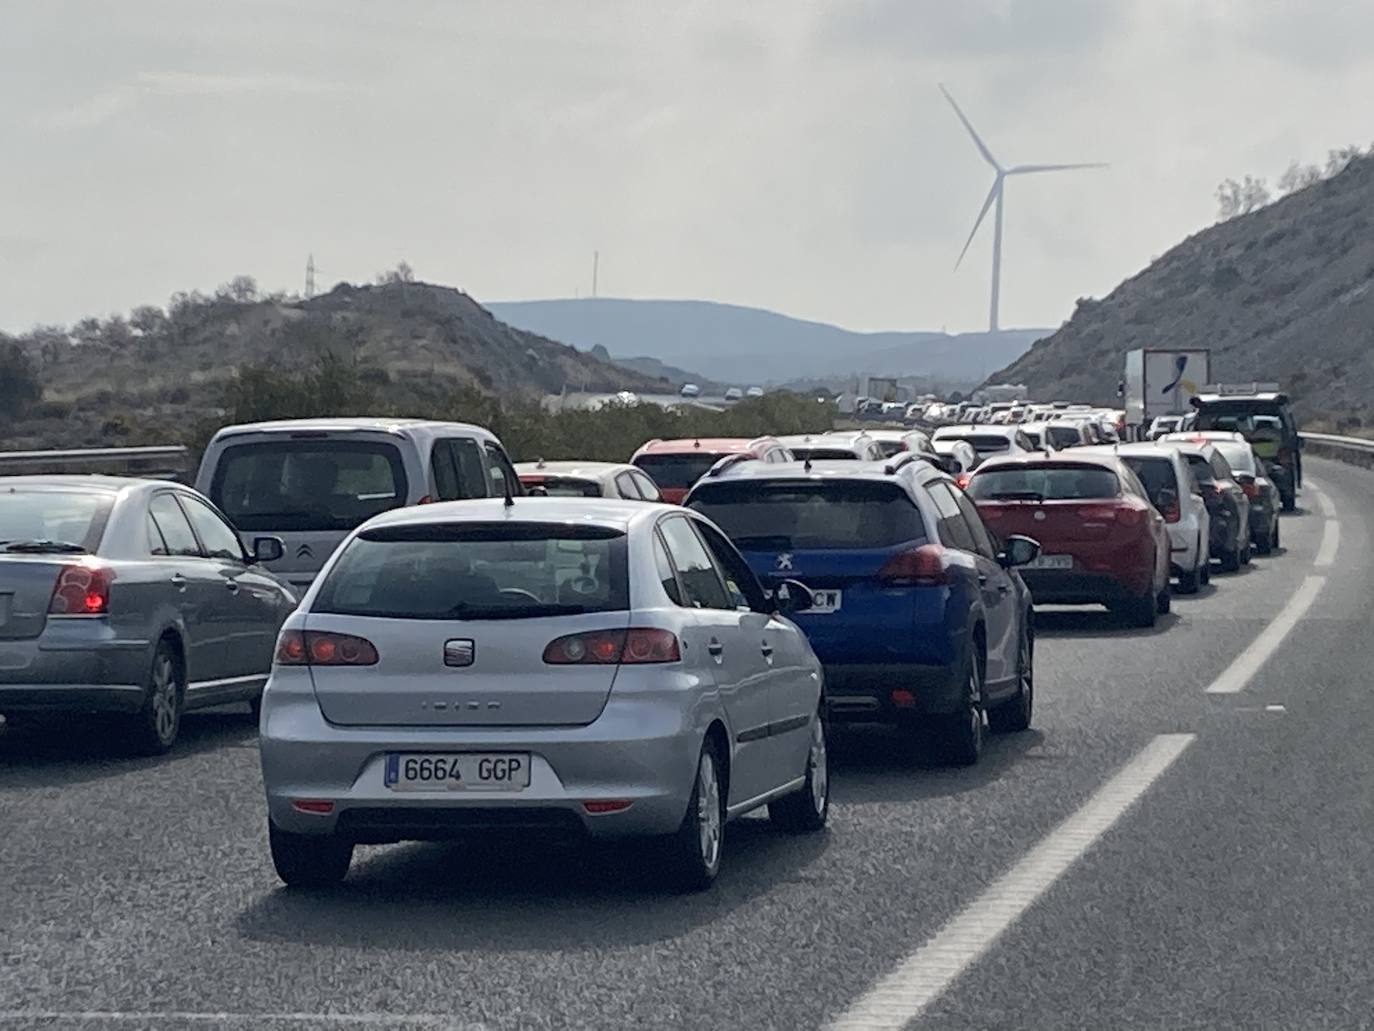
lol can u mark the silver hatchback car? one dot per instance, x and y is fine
(598, 666)
(132, 598)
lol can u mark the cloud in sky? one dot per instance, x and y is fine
(793, 154)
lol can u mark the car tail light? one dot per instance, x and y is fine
(81, 589)
(636, 647)
(426, 500)
(1123, 512)
(1172, 512)
(961, 481)
(919, 567)
(1250, 487)
(608, 805)
(316, 648)
(315, 806)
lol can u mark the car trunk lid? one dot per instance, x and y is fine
(26, 586)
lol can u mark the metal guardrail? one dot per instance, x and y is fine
(1355, 450)
(162, 462)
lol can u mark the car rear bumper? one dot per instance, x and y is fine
(639, 750)
(863, 693)
(1079, 587)
(71, 697)
(68, 668)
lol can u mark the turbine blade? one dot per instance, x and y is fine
(977, 140)
(992, 196)
(1031, 169)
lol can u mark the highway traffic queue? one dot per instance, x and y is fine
(438, 642)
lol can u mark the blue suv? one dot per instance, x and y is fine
(918, 614)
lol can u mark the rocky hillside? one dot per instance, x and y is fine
(1284, 294)
(123, 380)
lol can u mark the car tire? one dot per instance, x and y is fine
(1290, 502)
(1164, 601)
(1245, 552)
(1266, 546)
(1014, 715)
(1188, 580)
(154, 728)
(1140, 612)
(309, 860)
(1230, 560)
(693, 853)
(1274, 540)
(255, 708)
(805, 811)
(1204, 574)
(959, 735)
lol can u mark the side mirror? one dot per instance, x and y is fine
(1018, 551)
(791, 596)
(268, 549)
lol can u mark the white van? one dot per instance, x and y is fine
(311, 481)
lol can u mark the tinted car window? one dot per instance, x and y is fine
(1238, 456)
(1063, 436)
(982, 540)
(953, 530)
(1036, 441)
(647, 488)
(677, 472)
(700, 579)
(218, 540)
(984, 443)
(824, 454)
(457, 464)
(822, 515)
(1155, 474)
(478, 571)
(888, 448)
(740, 581)
(627, 486)
(1047, 481)
(307, 484)
(73, 517)
(567, 486)
(1220, 469)
(501, 472)
(1202, 469)
(666, 574)
(171, 522)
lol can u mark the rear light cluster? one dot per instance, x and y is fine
(636, 646)
(919, 567)
(961, 481)
(81, 589)
(1251, 488)
(1171, 512)
(1124, 513)
(316, 648)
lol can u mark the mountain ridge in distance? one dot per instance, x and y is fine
(739, 344)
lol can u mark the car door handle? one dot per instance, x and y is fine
(715, 648)
(767, 649)
(179, 581)
(1004, 588)
(232, 585)
(982, 579)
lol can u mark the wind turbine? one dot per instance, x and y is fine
(994, 197)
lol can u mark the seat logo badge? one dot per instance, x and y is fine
(459, 652)
(304, 552)
(785, 560)
(1039, 517)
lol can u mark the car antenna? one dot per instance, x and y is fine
(505, 484)
(806, 464)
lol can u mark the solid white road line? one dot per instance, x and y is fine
(65, 1018)
(1331, 540)
(923, 976)
(1235, 676)
(1324, 503)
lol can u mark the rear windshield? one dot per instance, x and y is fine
(677, 472)
(1239, 457)
(308, 484)
(823, 454)
(564, 486)
(1243, 417)
(799, 516)
(1063, 436)
(888, 448)
(479, 571)
(1047, 482)
(1156, 474)
(984, 443)
(1034, 437)
(30, 519)
(1202, 468)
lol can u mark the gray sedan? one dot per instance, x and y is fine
(132, 598)
(593, 666)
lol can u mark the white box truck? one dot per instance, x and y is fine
(1163, 381)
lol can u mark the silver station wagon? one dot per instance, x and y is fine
(596, 666)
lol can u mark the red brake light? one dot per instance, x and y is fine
(426, 500)
(1250, 487)
(1172, 513)
(1122, 512)
(317, 806)
(919, 567)
(961, 481)
(81, 589)
(314, 648)
(609, 805)
(636, 646)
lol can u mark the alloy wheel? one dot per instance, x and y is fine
(819, 767)
(708, 812)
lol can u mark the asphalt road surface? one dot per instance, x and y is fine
(1151, 855)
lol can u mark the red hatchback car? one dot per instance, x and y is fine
(675, 465)
(1101, 540)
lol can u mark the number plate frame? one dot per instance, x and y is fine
(1051, 562)
(492, 772)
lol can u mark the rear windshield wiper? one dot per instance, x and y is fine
(38, 547)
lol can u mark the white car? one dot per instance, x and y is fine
(1163, 424)
(577, 479)
(833, 446)
(690, 390)
(582, 666)
(1173, 489)
(988, 440)
(1056, 436)
(892, 442)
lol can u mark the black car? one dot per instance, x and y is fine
(1259, 412)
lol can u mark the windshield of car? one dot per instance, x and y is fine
(1156, 474)
(1044, 481)
(781, 516)
(1035, 438)
(1202, 468)
(1240, 417)
(824, 454)
(680, 471)
(564, 486)
(478, 571)
(1061, 437)
(983, 443)
(1238, 456)
(888, 448)
(52, 520)
(307, 484)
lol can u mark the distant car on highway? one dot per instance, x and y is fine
(734, 394)
(575, 479)
(310, 481)
(837, 445)
(133, 599)
(957, 458)
(1175, 493)
(690, 390)
(582, 666)
(917, 615)
(1262, 492)
(1259, 411)
(1228, 506)
(753, 392)
(1102, 541)
(893, 442)
(1057, 436)
(987, 439)
(674, 465)
(1163, 424)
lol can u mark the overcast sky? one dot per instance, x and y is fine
(788, 154)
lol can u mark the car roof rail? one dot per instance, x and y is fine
(728, 461)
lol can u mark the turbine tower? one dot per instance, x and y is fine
(994, 199)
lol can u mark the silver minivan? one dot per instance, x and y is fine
(311, 481)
